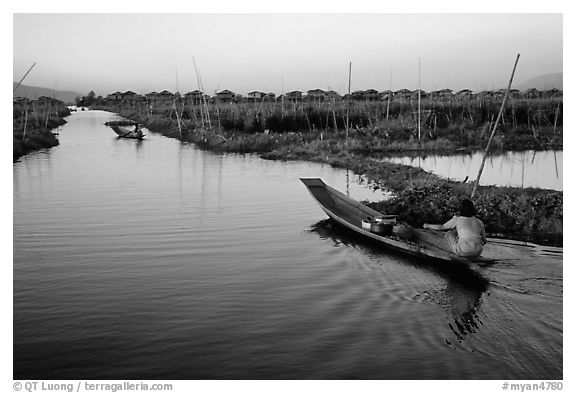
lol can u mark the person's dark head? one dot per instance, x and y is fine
(467, 208)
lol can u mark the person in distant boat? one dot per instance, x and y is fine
(138, 131)
(466, 234)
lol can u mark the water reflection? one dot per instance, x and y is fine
(347, 182)
(205, 180)
(137, 142)
(542, 169)
(461, 295)
(464, 304)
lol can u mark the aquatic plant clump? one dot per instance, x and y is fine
(527, 124)
(36, 137)
(521, 214)
(32, 122)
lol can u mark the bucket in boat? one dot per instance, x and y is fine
(381, 228)
(403, 231)
(367, 223)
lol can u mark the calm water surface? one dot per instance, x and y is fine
(154, 260)
(541, 169)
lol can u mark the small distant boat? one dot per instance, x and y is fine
(126, 129)
(354, 215)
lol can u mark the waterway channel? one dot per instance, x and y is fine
(154, 259)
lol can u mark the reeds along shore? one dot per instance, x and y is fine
(32, 123)
(316, 132)
(446, 125)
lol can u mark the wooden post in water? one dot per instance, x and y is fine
(494, 129)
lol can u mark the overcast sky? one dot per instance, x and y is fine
(282, 52)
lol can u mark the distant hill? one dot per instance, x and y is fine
(33, 92)
(542, 82)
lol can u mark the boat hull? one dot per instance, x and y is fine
(350, 214)
(124, 132)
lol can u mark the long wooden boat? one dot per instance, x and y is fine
(350, 213)
(126, 129)
(124, 132)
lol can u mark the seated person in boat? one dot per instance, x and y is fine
(138, 131)
(466, 234)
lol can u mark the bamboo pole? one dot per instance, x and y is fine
(177, 87)
(177, 117)
(494, 129)
(36, 114)
(47, 115)
(334, 115)
(206, 108)
(199, 89)
(25, 75)
(556, 164)
(260, 107)
(282, 100)
(389, 94)
(419, 104)
(556, 118)
(25, 122)
(309, 125)
(348, 103)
